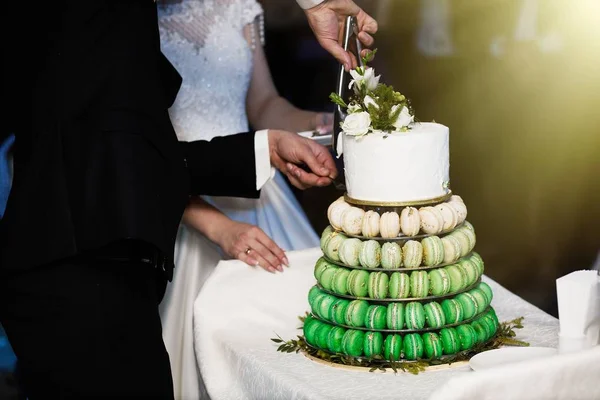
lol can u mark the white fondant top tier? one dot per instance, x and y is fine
(398, 167)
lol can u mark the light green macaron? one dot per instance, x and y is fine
(439, 282)
(349, 251)
(434, 315)
(370, 254)
(412, 254)
(470, 269)
(325, 236)
(378, 285)
(414, 315)
(487, 290)
(433, 250)
(333, 246)
(419, 284)
(395, 316)
(340, 281)
(452, 250)
(458, 278)
(399, 286)
(391, 255)
(358, 283)
(356, 313)
(452, 311)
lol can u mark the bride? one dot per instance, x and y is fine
(216, 45)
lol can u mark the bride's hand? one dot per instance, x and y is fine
(248, 243)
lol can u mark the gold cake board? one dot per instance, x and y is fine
(357, 368)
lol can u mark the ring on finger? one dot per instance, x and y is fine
(248, 250)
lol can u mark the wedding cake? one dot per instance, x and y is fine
(399, 278)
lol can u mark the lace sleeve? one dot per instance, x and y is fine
(254, 20)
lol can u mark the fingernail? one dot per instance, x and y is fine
(286, 261)
(271, 270)
(347, 67)
(280, 268)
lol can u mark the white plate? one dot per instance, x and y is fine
(508, 355)
(325, 140)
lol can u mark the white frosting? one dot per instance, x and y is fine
(406, 166)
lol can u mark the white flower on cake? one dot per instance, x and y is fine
(368, 101)
(374, 107)
(363, 79)
(357, 124)
(404, 118)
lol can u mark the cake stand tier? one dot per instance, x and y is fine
(406, 300)
(390, 270)
(363, 328)
(393, 205)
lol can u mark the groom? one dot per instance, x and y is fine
(100, 184)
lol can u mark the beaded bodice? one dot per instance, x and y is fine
(205, 41)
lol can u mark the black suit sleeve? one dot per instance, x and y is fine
(225, 166)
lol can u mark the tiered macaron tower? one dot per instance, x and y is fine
(399, 282)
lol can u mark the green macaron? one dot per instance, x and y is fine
(458, 278)
(373, 344)
(340, 281)
(313, 293)
(399, 286)
(483, 331)
(471, 271)
(471, 235)
(469, 305)
(326, 279)
(433, 250)
(463, 240)
(370, 254)
(376, 317)
(480, 298)
(392, 347)
(334, 340)
(314, 306)
(356, 312)
(476, 258)
(332, 247)
(349, 251)
(432, 346)
(321, 266)
(322, 336)
(468, 225)
(467, 336)
(413, 346)
(358, 283)
(419, 284)
(452, 311)
(353, 342)
(338, 311)
(310, 327)
(378, 285)
(434, 315)
(414, 315)
(391, 255)
(439, 282)
(395, 316)
(412, 254)
(450, 341)
(324, 305)
(485, 288)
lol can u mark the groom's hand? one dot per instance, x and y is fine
(288, 151)
(327, 21)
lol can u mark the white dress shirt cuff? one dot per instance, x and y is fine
(306, 4)
(262, 158)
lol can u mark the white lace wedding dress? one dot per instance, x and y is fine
(204, 39)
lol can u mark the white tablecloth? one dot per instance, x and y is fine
(240, 308)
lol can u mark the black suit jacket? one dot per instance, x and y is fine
(96, 158)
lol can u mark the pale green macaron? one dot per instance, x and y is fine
(452, 250)
(395, 316)
(471, 235)
(434, 315)
(391, 255)
(463, 240)
(487, 290)
(349, 251)
(321, 266)
(476, 258)
(378, 285)
(412, 254)
(439, 282)
(333, 246)
(419, 284)
(433, 250)
(326, 279)
(325, 236)
(399, 286)
(370, 254)
(458, 277)
(470, 270)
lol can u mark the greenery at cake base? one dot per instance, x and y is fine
(506, 336)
